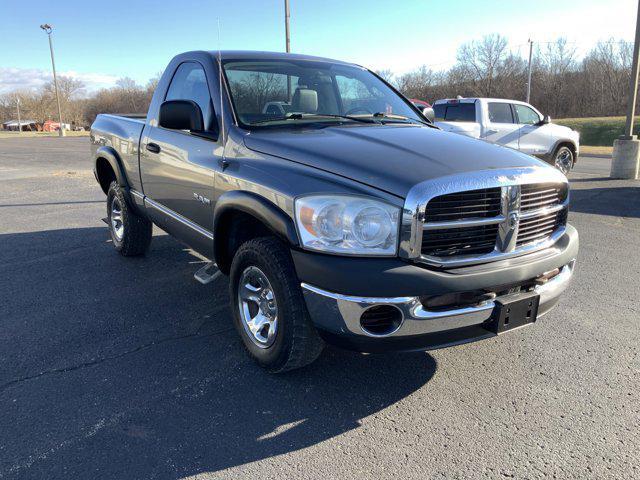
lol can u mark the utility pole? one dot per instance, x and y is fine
(529, 74)
(626, 149)
(48, 29)
(286, 25)
(19, 121)
(287, 44)
(633, 87)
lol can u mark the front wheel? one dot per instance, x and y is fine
(563, 159)
(268, 307)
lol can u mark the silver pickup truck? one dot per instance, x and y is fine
(338, 211)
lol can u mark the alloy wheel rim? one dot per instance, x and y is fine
(563, 161)
(117, 226)
(258, 307)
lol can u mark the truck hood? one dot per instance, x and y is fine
(392, 158)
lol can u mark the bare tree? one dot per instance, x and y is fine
(417, 84)
(479, 62)
(387, 74)
(563, 85)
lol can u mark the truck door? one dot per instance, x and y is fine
(534, 137)
(500, 126)
(177, 167)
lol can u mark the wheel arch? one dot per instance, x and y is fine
(240, 216)
(565, 142)
(108, 167)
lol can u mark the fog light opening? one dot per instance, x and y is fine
(381, 320)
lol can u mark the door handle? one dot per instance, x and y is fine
(223, 164)
(153, 147)
(490, 132)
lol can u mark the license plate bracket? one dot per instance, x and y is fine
(513, 311)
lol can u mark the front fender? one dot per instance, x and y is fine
(272, 216)
(548, 157)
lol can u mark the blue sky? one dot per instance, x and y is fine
(98, 42)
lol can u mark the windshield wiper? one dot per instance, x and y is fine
(395, 116)
(304, 116)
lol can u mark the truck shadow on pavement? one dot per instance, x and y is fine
(128, 368)
(617, 201)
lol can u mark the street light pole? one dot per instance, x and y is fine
(48, 30)
(287, 44)
(626, 149)
(529, 74)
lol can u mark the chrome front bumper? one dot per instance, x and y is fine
(340, 314)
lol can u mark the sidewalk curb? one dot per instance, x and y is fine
(596, 155)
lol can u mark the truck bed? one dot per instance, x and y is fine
(470, 129)
(122, 134)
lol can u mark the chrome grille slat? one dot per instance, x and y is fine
(543, 232)
(533, 233)
(466, 213)
(537, 225)
(553, 191)
(538, 195)
(542, 211)
(447, 208)
(541, 204)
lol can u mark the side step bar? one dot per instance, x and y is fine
(207, 274)
(204, 275)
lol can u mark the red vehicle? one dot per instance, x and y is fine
(425, 108)
(420, 103)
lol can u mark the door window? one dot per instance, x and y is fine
(526, 115)
(190, 83)
(500, 113)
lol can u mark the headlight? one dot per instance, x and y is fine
(347, 224)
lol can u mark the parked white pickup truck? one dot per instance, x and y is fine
(512, 124)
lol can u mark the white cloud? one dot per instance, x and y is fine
(12, 79)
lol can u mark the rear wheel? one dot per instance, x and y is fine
(563, 159)
(268, 307)
(130, 232)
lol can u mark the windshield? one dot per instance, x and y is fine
(278, 92)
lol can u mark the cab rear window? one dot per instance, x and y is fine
(456, 112)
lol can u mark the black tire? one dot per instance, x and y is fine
(563, 159)
(296, 342)
(135, 236)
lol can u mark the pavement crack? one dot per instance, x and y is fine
(98, 361)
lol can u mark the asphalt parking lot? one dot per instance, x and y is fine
(129, 368)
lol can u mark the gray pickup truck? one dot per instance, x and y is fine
(338, 211)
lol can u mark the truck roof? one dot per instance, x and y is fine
(262, 55)
(474, 99)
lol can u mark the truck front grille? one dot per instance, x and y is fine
(460, 205)
(489, 222)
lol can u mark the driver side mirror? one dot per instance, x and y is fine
(545, 120)
(429, 113)
(181, 115)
